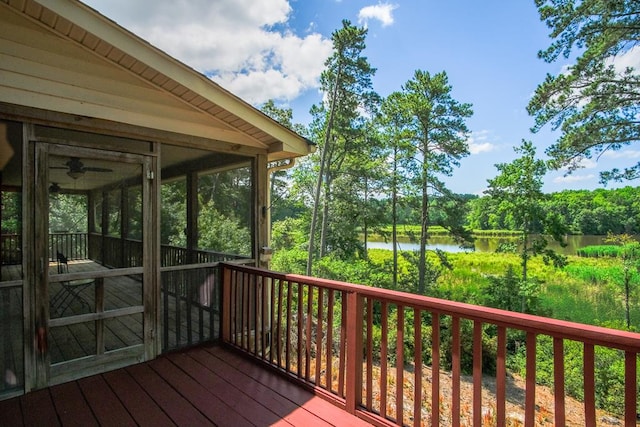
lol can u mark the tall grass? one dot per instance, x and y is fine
(588, 290)
(599, 251)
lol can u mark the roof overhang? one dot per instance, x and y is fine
(231, 119)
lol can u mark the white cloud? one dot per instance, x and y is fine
(585, 163)
(623, 154)
(628, 59)
(479, 142)
(244, 45)
(383, 12)
(568, 179)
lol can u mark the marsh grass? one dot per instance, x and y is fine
(587, 290)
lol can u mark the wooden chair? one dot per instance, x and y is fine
(69, 291)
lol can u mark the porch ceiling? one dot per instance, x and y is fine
(234, 120)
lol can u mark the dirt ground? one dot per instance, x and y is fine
(574, 410)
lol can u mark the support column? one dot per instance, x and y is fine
(262, 250)
(192, 216)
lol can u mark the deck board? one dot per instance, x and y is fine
(203, 398)
(252, 391)
(179, 409)
(139, 404)
(201, 386)
(66, 398)
(301, 397)
(11, 413)
(104, 403)
(38, 409)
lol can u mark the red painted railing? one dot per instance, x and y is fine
(353, 345)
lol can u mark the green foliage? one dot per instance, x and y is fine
(11, 212)
(289, 233)
(582, 211)
(173, 213)
(503, 291)
(67, 212)
(594, 101)
(221, 233)
(517, 191)
(599, 251)
(348, 154)
(432, 126)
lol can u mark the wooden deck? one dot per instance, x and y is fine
(207, 385)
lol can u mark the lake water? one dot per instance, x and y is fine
(489, 244)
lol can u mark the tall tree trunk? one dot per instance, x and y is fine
(525, 258)
(424, 227)
(323, 164)
(325, 213)
(365, 225)
(314, 217)
(394, 216)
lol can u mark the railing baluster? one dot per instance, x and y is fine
(501, 377)
(417, 367)
(319, 336)
(343, 340)
(264, 318)
(558, 381)
(369, 353)
(530, 388)
(455, 374)
(279, 328)
(288, 332)
(630, 387)
(253, 294)
(245, 312)
(329, 358)
(384, 344)
(299, 319)
(435, 369)
(400, 365)
(307, 356)
(589, 386)
(477, 373)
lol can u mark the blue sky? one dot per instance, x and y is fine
(262, 49)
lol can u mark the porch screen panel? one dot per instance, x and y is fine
(11, 259)
(191, 306)
(225, 213)
(97, 316)
(206, 217)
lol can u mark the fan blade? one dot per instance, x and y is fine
(92, 169)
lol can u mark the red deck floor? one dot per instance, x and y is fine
(201, 386)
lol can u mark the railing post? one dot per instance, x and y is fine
(225, 327)
(354, 325)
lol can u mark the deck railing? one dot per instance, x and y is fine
(354, 345)
(73, 245)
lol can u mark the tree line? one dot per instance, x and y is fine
(381, 160)
(600, 211)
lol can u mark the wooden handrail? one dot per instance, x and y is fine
(297, 335)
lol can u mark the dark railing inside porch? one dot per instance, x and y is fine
(190, 296)
(320, 333)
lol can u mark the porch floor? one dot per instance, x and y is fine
(207, 385)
